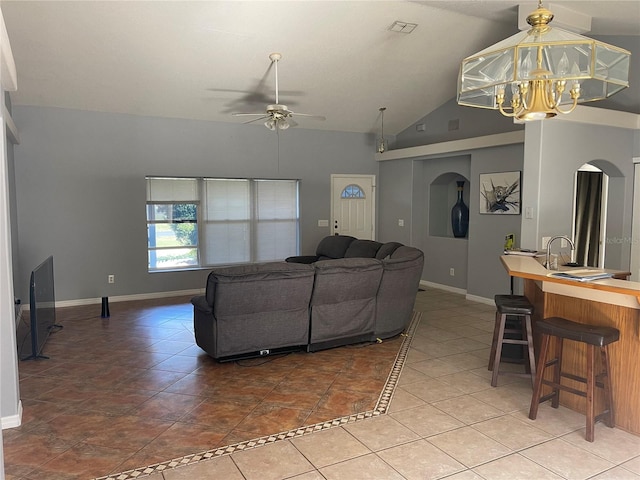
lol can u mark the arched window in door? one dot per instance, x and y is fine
(352, 191)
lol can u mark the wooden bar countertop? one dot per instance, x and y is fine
(609, 290)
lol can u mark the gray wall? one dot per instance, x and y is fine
(471, 122)
(9, 380)
(487, 276)
(79, 179)
(554, 152)
(13, 213)
(438, 177)
(395, 201)
(405, 188)
(627, 100)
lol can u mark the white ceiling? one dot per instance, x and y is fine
(206, 59)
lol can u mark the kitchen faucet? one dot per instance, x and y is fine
(548, 257)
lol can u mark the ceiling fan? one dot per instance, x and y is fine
(277, 116)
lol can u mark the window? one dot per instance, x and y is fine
(352, 191)
(201, 222)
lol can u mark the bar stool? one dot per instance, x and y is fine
(512, 306)
(593, 336)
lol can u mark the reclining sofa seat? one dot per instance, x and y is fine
(394, 300)
(251, 310)
(397, 292)
(343, 302)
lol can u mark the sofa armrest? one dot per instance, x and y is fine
(307, 259)
(200, 303)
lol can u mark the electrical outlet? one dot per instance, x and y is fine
(111, 279)
(564, 243)
(545, 241)
(452, 272)
(400, 222)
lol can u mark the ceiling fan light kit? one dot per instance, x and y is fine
(533, 74)
(278, 116)
(276, 124)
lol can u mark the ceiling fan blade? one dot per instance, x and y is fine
(262, 114)
(264, 117)
(315, 117)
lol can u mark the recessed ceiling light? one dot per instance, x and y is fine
(402, 27)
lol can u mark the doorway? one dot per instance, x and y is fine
(590, 211)
(353, 205)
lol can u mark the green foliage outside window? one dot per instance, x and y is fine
(186, 233)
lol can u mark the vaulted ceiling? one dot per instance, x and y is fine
(207, 59)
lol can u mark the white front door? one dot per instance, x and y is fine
(353, 201)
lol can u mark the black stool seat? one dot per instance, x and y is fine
(596, 339)
(512, 327)
(591, 334)
(513, 305)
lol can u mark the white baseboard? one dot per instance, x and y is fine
(439, 286)
(12, 421)
(486, 301)
(128, 298)
(461, 291)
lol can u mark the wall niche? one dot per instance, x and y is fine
(443, 194)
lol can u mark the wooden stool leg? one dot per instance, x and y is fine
(557, 368)
(525, 349)
(590, 390)
(494, 343)
(608, 394)
(530, 354)
(498, 353)
(537, 385)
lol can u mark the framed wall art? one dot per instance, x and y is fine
(500, 193)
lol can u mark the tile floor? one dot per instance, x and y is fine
(444, 421)
(134, 390)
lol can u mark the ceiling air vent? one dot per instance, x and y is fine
(402, 27)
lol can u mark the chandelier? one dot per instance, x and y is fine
(544, 71)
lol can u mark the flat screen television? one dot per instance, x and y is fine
(42, 312)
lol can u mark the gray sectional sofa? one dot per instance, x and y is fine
(351, 291)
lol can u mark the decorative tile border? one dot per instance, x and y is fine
(384, 401)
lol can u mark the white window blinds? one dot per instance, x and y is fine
(240, 220)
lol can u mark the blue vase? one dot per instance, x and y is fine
(460, 215)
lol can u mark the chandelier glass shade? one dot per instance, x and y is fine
(544, 71)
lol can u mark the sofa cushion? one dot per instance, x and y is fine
(362, 249)
(333, 246)
(387, 249)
